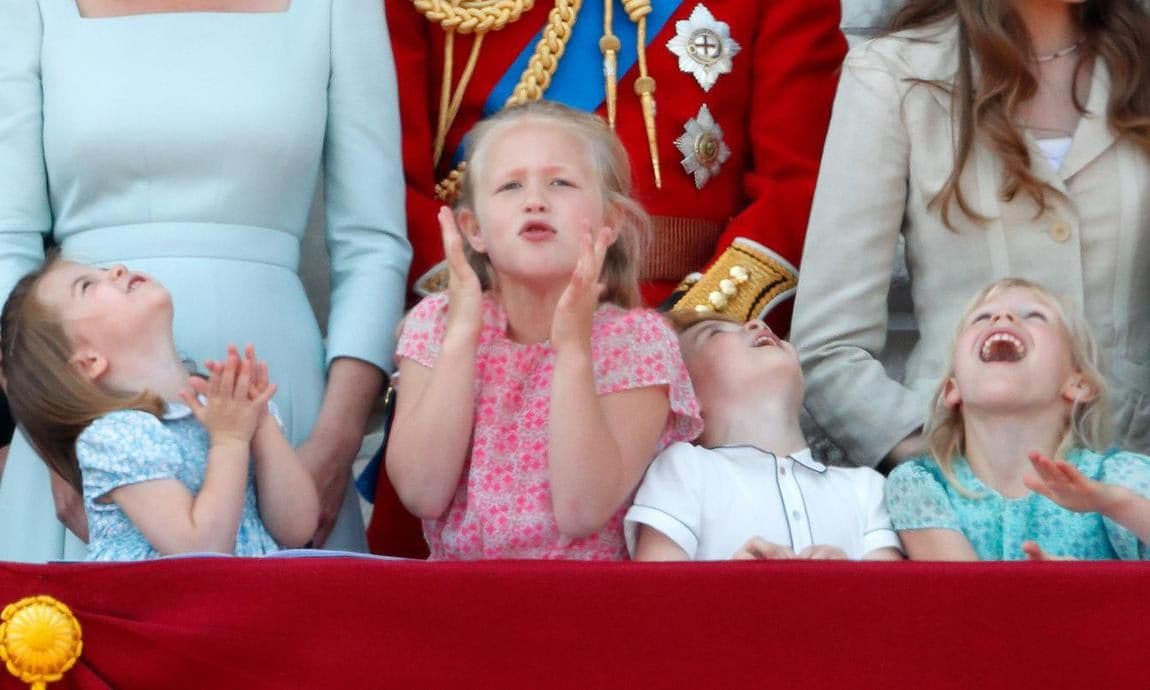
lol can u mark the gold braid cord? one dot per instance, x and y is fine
(464, 17)
(536, 76)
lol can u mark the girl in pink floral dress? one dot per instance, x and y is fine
(534, 391)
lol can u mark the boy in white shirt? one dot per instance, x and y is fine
(751, 488)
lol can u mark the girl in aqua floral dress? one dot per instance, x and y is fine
(534, 393)
(1017, 466)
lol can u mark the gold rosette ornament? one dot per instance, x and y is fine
(39, 640)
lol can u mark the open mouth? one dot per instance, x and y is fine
(1002, 347)
(136, 281)
(765, 339)
(536, 230)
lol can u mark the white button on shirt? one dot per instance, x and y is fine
(710, 501)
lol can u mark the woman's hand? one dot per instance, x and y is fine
(575, 312)
(464, 292)
(69, 506)
(1062, 483)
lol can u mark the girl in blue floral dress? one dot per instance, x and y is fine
(166, 463)
(1016, 435)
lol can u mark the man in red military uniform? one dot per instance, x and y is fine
(723, 111)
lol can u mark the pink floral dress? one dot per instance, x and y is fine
(502, 508)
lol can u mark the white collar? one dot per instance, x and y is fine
(174, 410)
(803, 457)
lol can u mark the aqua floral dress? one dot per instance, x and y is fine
(919, 496)
(129, 447)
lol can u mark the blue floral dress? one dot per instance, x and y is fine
(130, 446)
(919, 496)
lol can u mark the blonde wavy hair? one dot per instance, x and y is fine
(992, 36)
(1088, 425)
(607, 156)
(50, 399)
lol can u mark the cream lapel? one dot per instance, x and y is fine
(1093, 135)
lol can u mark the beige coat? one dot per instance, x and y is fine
(888, 152)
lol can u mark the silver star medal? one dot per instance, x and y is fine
(704, 46)
(701, 144)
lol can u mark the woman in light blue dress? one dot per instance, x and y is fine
(188, 145)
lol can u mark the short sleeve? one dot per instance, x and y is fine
(878, 532)
(25, 214)
(669, 500)
(364, 191)
(1131, 471)
(637, 349)
(421, 331)
(125, 448)
(916, 499)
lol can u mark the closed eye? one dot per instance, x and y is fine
(506, 186)
(980, 317)
(560, 182)
(1036, 315)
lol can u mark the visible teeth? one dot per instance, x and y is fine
(763, 340)
(1002, 347)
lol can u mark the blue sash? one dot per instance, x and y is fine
(578, 81)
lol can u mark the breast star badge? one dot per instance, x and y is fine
(704, 46)
(701, 144)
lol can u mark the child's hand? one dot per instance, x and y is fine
(823, 552)
(465, 294)
(1062, 483)
(1034, 552)
(230, 414)
(571, 325)
(758, 548)
(260, 382)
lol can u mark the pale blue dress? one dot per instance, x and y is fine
(129, 447)
(918, 496)
(188, 146)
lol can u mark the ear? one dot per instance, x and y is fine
(91, 364)
(1078, 389)
(951, 396)
(469, 226)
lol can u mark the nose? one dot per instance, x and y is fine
(535, 200)
(118, 271)
(1006, 314)
(755, 325)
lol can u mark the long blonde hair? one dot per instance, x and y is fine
(991, 35)
(1088, 425)
(49, 397)
(607, 156)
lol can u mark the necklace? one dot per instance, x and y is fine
(1072, 48)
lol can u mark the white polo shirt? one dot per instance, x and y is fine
(710, 501)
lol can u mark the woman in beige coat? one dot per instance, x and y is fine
(998, 137)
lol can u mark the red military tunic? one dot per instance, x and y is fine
(773, 107)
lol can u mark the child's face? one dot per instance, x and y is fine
(1013, 350)
(536, 193)
(727, 361)
(105, 310)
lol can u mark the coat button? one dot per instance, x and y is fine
(1060, 231)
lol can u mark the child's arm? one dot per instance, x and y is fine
(165, 512)
(287, 495)
(435, 408)
(653, 545)
(1062, 483)
(937, 544)
(599, 446)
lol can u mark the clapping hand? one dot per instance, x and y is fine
(571, 325)
(1062, 483)
(464, 291)
(231, 411)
